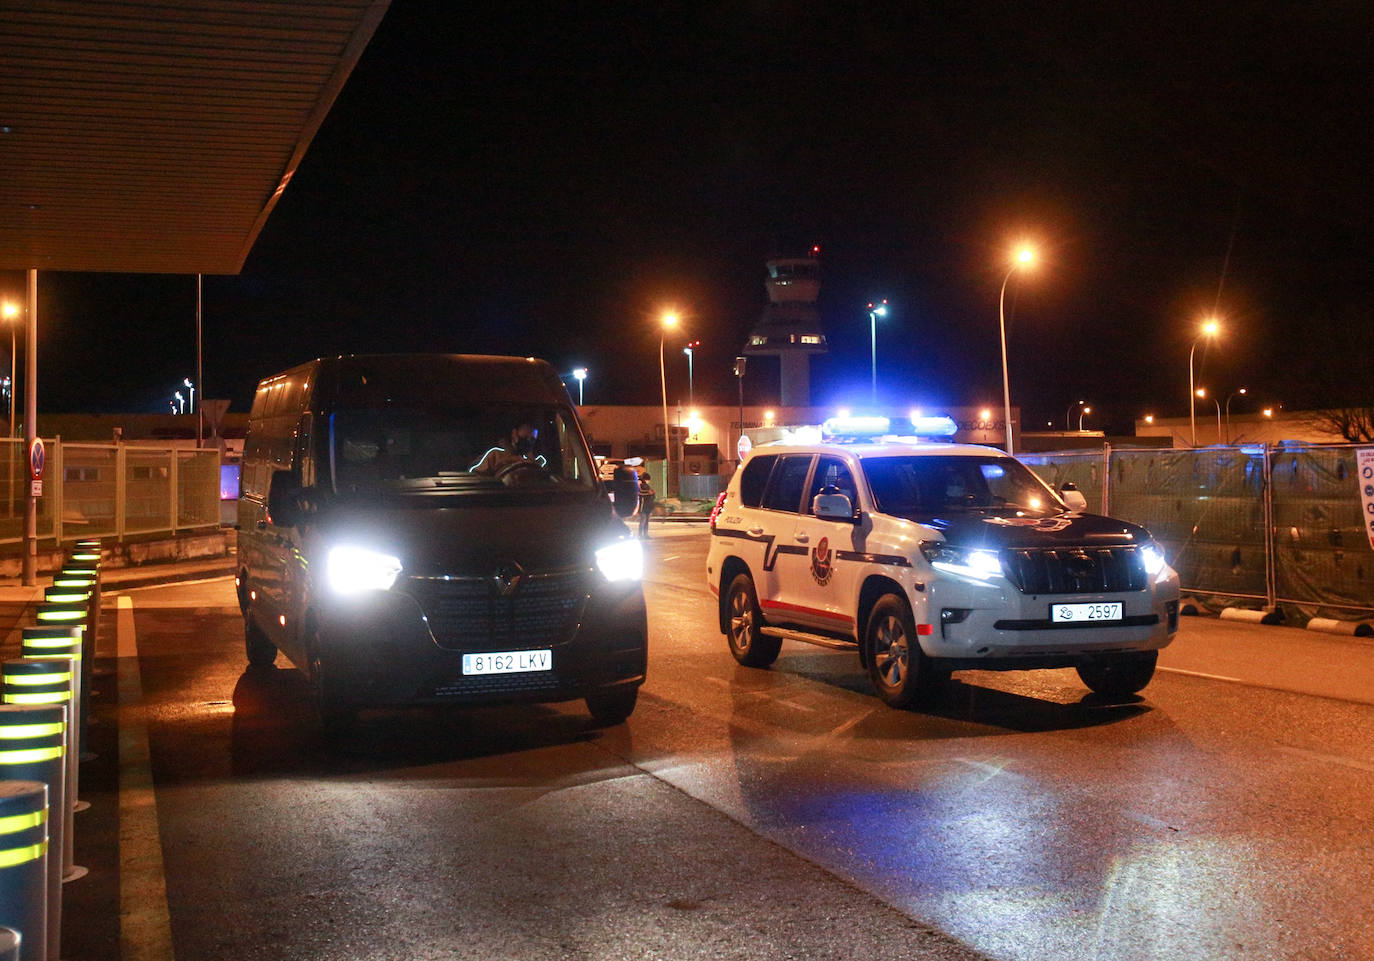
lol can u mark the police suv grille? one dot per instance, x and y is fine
(1076, 570)
(472, 614)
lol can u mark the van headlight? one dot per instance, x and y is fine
(621, 561)
(967, 561)
(1153, 558)
(352, 570)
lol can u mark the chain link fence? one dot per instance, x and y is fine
(109, 490)
(1280, 525)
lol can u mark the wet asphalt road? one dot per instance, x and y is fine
(760, 814)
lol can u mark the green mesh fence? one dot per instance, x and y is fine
(1207, 508)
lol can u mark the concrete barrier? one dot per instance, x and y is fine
(23, 864)
(1329, 625)
(1247, 614)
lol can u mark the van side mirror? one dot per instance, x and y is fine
(284, 499)
(624, 491)
(833, 507)
(1073, 497)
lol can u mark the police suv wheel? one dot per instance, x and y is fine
(900, 672)
(261, 652)
(748, 644)
(1119, 675)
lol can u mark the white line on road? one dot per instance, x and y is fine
(145, 928)
(1210, 677)
(154, 587)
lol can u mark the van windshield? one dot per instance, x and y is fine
(922, 486)
(492, 447)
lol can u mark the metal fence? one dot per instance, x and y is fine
(1279, 524)
(109, 490)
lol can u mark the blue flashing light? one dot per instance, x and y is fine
(934, 426)
(856, 427)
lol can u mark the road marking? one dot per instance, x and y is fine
(1210, 677)
(1329, 758)
(145, 927)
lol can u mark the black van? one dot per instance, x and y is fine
(430, 528)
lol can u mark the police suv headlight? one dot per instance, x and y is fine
(352, 570)
(1153, 558)
(621, 561)
(966, 561)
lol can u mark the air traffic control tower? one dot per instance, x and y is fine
(790, 328)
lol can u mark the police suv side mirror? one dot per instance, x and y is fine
(284, 499)
(833, 507)
(624, 491)
(1073, 497)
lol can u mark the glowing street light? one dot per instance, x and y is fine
(580, 375)
(186, 382)
(874, 312)
(1024, 257)
(1068, 412)
(1228, 412)
(181, 401)
(1081, 413)
(1202, 392)
(1210, 328)
(667, 322)
(691, 393)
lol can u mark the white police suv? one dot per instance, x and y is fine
(932, 557)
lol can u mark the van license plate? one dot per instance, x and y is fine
(1072, 613)
(507, 662)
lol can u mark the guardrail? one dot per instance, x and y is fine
(109, 490)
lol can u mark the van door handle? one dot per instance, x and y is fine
(801, 537)
(756, 532)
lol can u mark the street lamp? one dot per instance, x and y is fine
(1067, 412)
(874, 312)
(1228, 413)
(1085, 410)
(1209, 329)
(669, 320)
(186, 381)
(1024, 258)
(181, 401)
(580, 375)
(691, 394)
(11, 312)
(1202, 392)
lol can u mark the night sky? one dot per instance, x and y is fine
(535, 178)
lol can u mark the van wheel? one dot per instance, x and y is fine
(612, 707)
(750, 646)
(901, 673)
(261, 652)
(1119, 675)
(335, 715)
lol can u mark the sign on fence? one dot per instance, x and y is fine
(1364, 462)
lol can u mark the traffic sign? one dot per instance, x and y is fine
(38, 457)
(1364, 460)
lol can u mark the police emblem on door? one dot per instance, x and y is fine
(822, 562)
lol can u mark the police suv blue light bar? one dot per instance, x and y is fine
(934, 426)
(856, 427)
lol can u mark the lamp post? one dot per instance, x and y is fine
(691, 393)
(186, 382)
(1209, 329)
(669, 320)
(739, 375)
(1067, 412)
(1228, 412)
(874, 312)
(1202, 392)
(580, 375)
(1081, 413)
(11, 312)
(1024, 258)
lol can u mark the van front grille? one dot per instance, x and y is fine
(473, 614)
(1076, 570)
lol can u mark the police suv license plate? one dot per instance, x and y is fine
(1074, 613)
(507, 662)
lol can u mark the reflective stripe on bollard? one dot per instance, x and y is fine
(23, 864)
(48, 680)
(33, 748)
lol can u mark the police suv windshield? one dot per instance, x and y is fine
(925, 486)
(435, 447)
